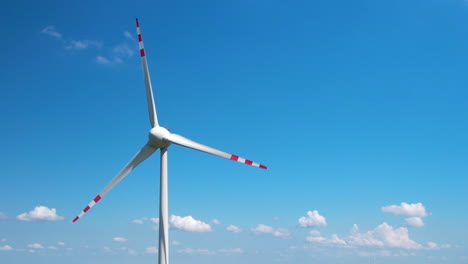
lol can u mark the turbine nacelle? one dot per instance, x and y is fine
(157, 137)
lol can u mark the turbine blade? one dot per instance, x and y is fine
(143, 154)
(185, 142)
(149, 91)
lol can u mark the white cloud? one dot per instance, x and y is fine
(52, 247)
(231, 251)
(102, 60)
(61, 243)
(50, 30)
(151, 250)
(313, 218)
(414, 209)
(234, 229)
(176, 243)
(128, 35)
(155, 220)
(188, 223)
(119, 239)
(40, 213)
(132, 252)
(123, 50)
(415, 221)
(315, 237)
(137, 221)
(196, 251)
(383, 235)
(264, 229)
(35, 245)
(6, 248)
(83, 44)
(431, 245)
(216, 222)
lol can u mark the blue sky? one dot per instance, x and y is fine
(358, 108)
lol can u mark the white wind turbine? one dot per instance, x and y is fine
(159, 138)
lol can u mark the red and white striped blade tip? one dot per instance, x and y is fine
(248, 162)
(89, 206)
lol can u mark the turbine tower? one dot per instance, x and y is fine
(159, 138)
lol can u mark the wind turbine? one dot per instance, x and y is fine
(159, 138)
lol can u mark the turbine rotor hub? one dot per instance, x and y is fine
(157, 137)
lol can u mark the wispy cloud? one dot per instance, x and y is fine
(234, 229)
(197, 251)
(102, 60)
(40, 213)
(112, 54)
(231, 251)
(83, 44)
(36, 246)
(51, 31)
(151, 250)
(119, 239)
(128, 35)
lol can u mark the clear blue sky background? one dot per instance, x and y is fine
(353, 105)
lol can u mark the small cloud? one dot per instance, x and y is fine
(414, 209)
(234, 229)
(123, 50)
(154, 220)
(83, 44)
(3, 216)
(176, 243)
(264, 229)
(196, 251)
(188, 223)
(40, 213)
(107, 249)
(137, 221)
(128, 35)
(102, 60)
(50, 30)
(6, 248)
(415, 221)
(151, 250)
(131, 252)
(432, 245)
(313, 218)
(231, 251)
(315, 237)
(36, 246)
(119, 239)
(52, 247)
(61, 243)
(216, 222)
